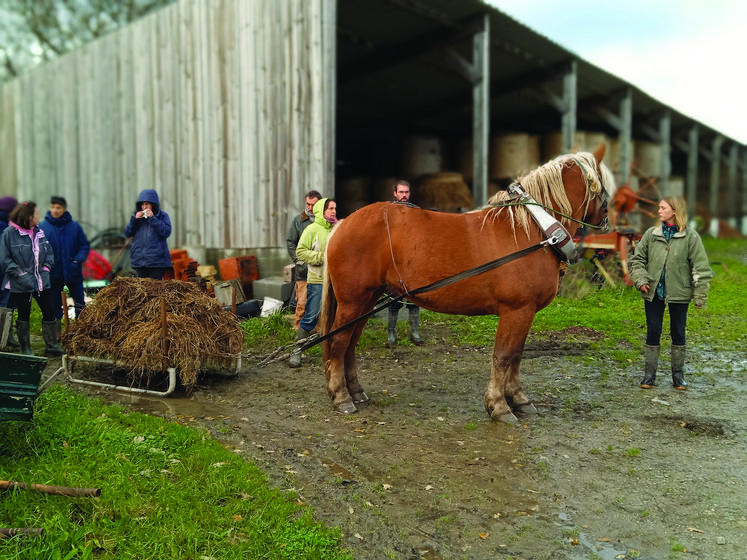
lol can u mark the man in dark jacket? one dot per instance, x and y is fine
(150, 228)
(71, 247)
(300, 223)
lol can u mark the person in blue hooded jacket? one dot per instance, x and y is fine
(149, 228)
(71, 248)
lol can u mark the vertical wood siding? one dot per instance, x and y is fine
(225, 107)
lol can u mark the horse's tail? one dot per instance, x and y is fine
(327, 313)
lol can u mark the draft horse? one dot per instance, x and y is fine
(391, 246)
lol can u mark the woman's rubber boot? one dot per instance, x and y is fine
(414, 326)
(297, 353)
(650, 363)
(49, 333)
(391, 339)
(678, 368)
(23, 329)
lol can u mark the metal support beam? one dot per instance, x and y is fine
(733, 177)
(481, 112)
(715, 178)
(665, 127)
(692, 171)
(570, 103)
(742, 197)
(626, 135)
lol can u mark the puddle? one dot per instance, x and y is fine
(338, 470)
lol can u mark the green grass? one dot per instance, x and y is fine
(167, 491)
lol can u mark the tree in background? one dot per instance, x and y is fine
(36, 31)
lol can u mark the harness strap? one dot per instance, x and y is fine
(433, 286)
(560, 237)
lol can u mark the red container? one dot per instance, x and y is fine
(241, 268)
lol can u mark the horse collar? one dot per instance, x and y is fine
(558, 237)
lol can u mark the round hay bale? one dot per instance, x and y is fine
(446, 192)
(421, 156)
(513, 155)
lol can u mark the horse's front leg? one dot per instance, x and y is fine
(504, 394)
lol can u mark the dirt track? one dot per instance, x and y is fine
(606, 470)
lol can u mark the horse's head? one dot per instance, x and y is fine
(600, 185)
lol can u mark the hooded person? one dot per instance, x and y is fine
(311, 249)
(149, 228)
(71, 248)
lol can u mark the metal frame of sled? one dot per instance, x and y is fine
(171, 371)
(68, 373)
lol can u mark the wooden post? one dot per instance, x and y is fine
(164, 328)
(65, 318)
(233, 299)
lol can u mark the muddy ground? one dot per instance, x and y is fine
(605, 470)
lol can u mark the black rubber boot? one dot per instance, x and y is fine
(651, 361)
(23, 329)
(49, 333)
(297, 353)
(391, 339)
(414, 326)
(678, 368)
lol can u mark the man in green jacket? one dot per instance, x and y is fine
(670, 268)
(311, 248)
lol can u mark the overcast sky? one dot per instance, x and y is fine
(688, 54)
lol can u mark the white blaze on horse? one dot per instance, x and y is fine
(391, 246)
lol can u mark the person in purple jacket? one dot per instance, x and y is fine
(149, 228)
(71, 248)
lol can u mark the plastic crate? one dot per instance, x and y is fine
(19, 382)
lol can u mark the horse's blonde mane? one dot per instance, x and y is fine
(545, 185)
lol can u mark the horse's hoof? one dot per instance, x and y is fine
(360, 398)
(526, 408)
(346, 407)
(507, 418)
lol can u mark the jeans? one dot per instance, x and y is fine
(4, 297)
(313, 306)
(154, 273)
(655, 319)
(76, 292)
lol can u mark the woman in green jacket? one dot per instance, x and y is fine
(670, 268)
(311, 249)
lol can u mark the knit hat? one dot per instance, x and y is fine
(7, 203)
(59, 200)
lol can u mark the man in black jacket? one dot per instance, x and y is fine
(300, 223)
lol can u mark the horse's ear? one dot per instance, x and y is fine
(599, 152)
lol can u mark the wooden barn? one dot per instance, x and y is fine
(233, 109)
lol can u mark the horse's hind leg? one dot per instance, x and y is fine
(355, 388)
(504, 391)
(341, 372)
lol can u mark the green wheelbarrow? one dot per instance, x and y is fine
(19, 385)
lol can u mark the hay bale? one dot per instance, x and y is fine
(123, 323)
(446, 192)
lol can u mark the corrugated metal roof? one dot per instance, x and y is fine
(392, 77)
